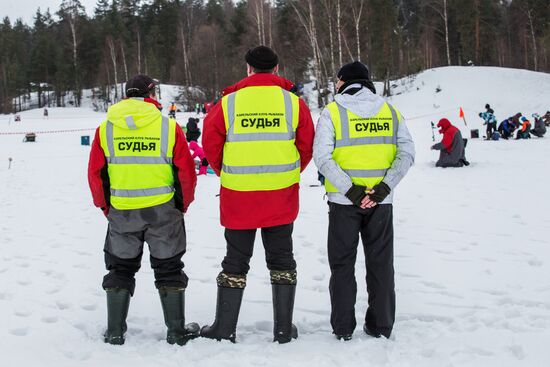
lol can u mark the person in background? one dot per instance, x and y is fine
(172, 110)
(491, 122)
(546, 118)
(488, 109)
(524, 131)
(364, 149)
(198, 152)
(142, 177)
(506, 129)
(45, 113)
(515, 120)
(193, 132)
(452, 146)
(258, 139)
(540, 128)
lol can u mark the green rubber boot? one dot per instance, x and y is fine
(173, 307)
(118, 302)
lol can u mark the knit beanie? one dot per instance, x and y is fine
(353, 71)
(262, 58)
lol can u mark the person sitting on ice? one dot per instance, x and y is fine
(506, 129)
(199, 153)
(540, 128)
(452, 146)
(523, 132)
(490, 121)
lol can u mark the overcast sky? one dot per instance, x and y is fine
(26, 9)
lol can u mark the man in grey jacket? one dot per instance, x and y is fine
(363, 148)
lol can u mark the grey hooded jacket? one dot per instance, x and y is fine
(365, 104)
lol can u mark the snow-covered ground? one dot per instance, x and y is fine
(472, 251)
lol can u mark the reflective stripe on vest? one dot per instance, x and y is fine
(243, 170)
(142, 192)
(365, 159)
(259, 152)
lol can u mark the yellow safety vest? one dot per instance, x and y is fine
(138, 143)
(365, 147)
(259, 152)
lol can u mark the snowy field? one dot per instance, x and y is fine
(472, 251)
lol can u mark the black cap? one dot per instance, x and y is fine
(262, 58)
(140, 86)
(353, 71)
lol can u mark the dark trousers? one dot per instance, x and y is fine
(163, 228)
(277, 243)
(375, 225)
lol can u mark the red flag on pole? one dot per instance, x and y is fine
(461, 114)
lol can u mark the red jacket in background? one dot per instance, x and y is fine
(256, 209)
(449, 131)
(185, 178)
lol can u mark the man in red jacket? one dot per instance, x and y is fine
(142, 176)
(452, 146)
(258, 139)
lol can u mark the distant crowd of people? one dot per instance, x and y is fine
(518, 124)
(452, 148)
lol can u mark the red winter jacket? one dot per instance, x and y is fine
(449, 131)
(185, 178)
(256, 209)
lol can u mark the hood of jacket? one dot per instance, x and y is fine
(363, 103)
(143, 112)
(444, 125)
(261, 79)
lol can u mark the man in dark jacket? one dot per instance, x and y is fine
(451, 147)
(193, 132)
(540, 128)
(142, 176)
(258, 139)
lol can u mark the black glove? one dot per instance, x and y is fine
(356, 194)
(381, 191)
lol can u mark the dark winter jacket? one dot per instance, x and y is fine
(451, 147)
(506, 127)
(540, 128)
(193, 132)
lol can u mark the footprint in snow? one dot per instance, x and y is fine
(89, 306)
(49, 319)
(22, 313)
(24, 282)
(19, 331)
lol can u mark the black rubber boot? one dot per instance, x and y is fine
(228, 306)
(173, 307)
(283, 305)
(118, 301)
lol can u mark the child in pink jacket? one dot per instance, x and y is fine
(198, 152)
